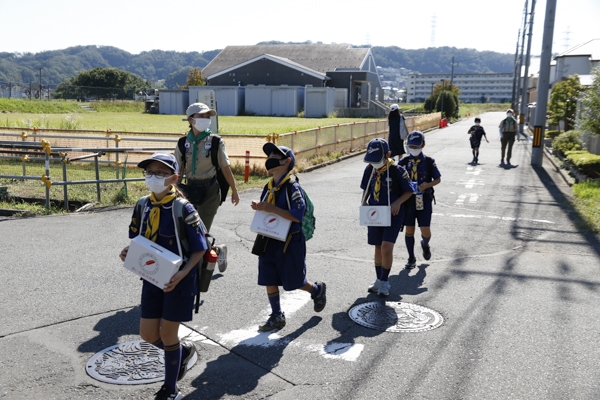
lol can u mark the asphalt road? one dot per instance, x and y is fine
(515, 280)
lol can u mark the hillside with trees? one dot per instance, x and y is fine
(58, 66)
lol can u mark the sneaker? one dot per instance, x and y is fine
(502, 161)
(384, 288)
(188, 353)
(320, 299)
(222, 260)
(275, 321)
(507, 162)
(426, 251)
(166, 394)
(412, 263)
(374, 287)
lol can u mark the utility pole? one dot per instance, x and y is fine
(40, 89)
(537, 152)
(525, 96)
(513, 101)
(452, 71)
(519, 97)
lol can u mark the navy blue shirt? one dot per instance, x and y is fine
(386, 186)
(297, 205)
(166, 230)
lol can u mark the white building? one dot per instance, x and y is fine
(474, 88)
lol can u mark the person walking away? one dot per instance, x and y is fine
(200, 173)
(476, 132)
(284, 263)
(163, 310)
(397, 131)
(508, 129)
(376, 184)
(424, 175)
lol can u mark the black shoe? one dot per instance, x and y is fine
(166, 394)
(412, 263)
(426, 252)
(320, 299)
(476, 160)
(275, 321)
(502, 161)
(188, 350)
(508, 162)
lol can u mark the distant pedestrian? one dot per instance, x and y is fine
(508, 130)
(283, 263)
(476, 132)
(377, 187)
(424, 175)
(163, 310)
(397, 131)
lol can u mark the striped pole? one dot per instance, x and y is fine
(247, 167)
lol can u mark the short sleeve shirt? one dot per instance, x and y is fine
(297, 205)
(421, 169)
(204, 167)
(386, 185)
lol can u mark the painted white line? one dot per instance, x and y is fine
(471, 183)
(497, 217)
(474, 170)
(463, 197)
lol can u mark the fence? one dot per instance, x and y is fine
(38, 150)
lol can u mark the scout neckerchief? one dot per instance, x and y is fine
(414, 162)
(154, 218)
(272, 190)
(195, 140)
(380, 171)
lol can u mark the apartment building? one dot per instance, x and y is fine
(474, 88)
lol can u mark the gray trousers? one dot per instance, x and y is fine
(207, 208)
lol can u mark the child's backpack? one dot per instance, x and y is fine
(178, 204)
(309, 221)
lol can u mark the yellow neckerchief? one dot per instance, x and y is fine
(380, 171)
(154, 217)
(272, 190)
(414, 176)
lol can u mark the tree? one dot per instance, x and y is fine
(102, 83)
(450, 103)
(590, 106)
(563, 102)
(194, 78)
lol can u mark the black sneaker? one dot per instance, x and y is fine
(275, 321)
(166, 394)
(412, 263)
(320, 299)
(426, 252)
(188, 351)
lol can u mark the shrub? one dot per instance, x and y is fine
(551, 134)
(585, 162)
(567, 141)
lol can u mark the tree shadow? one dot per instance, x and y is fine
(111, 328)
(239, 371)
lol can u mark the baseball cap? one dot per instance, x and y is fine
(393, 107)
(285, 152)
(165, 158)
(376, 150)
(199, 108)
(416, 138)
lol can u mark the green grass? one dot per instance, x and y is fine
(475, 109)
(38, 106)
(586, 203)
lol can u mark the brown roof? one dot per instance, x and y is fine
(319, 57)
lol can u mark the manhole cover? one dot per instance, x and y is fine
(395, 316)
(131, 363)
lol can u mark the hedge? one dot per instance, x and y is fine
(586, 162)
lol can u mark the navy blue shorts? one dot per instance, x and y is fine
(279, 268)
(423, 216)
(377, 235)
(176, 305)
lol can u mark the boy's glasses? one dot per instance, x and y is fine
(158, 174)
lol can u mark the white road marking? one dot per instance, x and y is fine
(498, 217)
(474, 170)
(471, 183)
(472, 198)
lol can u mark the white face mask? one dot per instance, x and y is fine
(378, 165)
(156, 185)
(201, 124)
(477, 124)
(414, 152)
(509, 114)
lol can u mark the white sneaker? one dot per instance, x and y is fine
(374, 287)
(222, 260)
(384, 288)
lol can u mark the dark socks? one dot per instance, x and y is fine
(410, 244)
(425, 241)
(172, 362)
(274, 301)
(385, 273)
(158, 344)
(378, 270)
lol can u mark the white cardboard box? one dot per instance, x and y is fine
(375, 216)
(151, 261)
(270, 225)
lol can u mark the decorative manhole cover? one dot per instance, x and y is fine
(395, 316)
(131, 363)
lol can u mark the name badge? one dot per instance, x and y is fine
(207, 145)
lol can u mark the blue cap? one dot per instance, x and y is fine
(285, 152)
(416, 138)
(165, 158)
(376, 150)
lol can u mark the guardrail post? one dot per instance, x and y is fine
(97, 177)
(247, 167)
(65, 190)
(48, 177)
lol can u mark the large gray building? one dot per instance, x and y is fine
(474, 88)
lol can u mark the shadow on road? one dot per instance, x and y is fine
(111, 329)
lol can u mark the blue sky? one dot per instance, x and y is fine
(136, 26)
